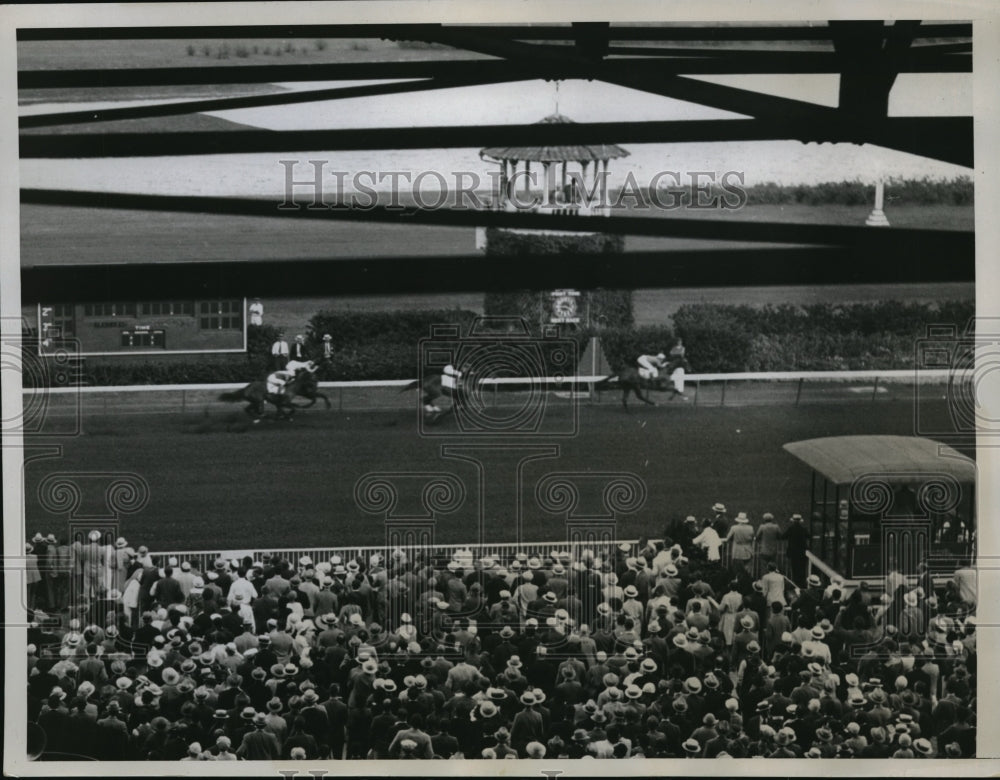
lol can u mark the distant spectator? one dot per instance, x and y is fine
(798, 544)
(279, 353)
(256, 310)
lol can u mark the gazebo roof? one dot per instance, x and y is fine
(572, 152)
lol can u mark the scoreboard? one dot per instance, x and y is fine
(143, 327)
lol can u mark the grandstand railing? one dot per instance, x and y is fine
(439, 554)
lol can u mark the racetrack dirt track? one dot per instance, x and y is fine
(218, 482)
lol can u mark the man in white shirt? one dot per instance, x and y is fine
(965, 579)
(279, 352)
(256, 310)
(709, 539)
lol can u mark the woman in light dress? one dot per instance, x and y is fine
(729, 606)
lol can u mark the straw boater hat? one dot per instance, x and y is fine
(742, 518)
(692, 685)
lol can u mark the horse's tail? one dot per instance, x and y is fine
(235, 395)
(412, 386)
(606, 382)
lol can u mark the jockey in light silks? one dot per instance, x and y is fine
(650, 365)
(294, 366)
(277, 380)
(451, 378)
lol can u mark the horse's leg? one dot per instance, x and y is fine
(325, 400)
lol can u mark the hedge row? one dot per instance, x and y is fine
(921, 192)
(508, 242)
(898, 192)
(818, 337)
(386, 345)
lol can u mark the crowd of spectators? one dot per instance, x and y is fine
(661, 649)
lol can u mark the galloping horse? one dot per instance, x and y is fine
(432, 388)
(630, 381)
(303, 385)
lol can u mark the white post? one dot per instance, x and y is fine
(877, 218)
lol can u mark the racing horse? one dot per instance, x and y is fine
(303, 385)
(434, 387)
(629, 380)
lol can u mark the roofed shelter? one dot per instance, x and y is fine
(884, 502)
(554, 160)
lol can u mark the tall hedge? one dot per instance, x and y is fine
(377, 345)
(510, 242)
(816, 337)
(385, 345)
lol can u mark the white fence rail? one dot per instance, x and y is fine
(936, 375)
(736, 389)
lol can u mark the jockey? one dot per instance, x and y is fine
(450, 379)
(294, 366)
(649, 365)
(277, 380)
(680, 366)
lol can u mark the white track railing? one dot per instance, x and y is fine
(586, 383)
(936, 375)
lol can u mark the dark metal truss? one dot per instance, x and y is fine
(867, 55)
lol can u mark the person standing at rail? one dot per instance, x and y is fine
(740, 538)
(798, 544)
(279, 352)
(766, 540)
(298, 349)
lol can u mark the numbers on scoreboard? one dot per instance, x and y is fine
(149, 339)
